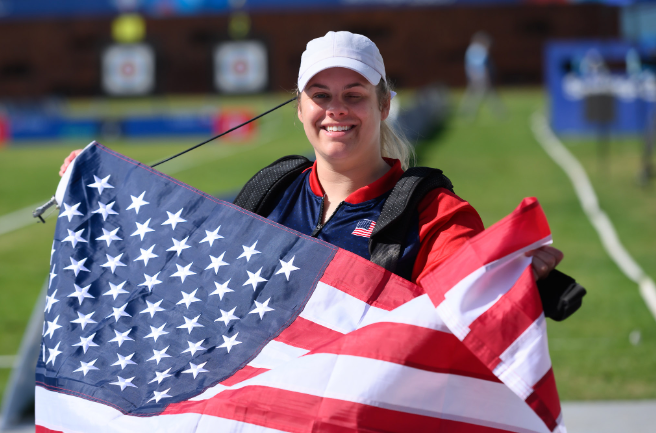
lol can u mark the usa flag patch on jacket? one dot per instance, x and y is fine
(364, 228)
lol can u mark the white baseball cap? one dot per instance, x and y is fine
(341, 50)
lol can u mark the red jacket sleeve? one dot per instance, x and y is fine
(445, 222)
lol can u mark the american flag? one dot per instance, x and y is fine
(169, 310)
(364, 228)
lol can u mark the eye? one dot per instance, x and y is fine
(320, 96)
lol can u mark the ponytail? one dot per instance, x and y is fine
(393, 142)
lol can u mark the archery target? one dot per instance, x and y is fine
(128, 69)
(241, 67)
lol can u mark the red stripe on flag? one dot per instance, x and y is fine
(307, 335)
(245, 373)
(41, 429)
(368, 282)
(524, 226)
(412, 346)
(545, 401)
(498, 327)
(297, 412)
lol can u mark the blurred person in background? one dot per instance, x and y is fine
(343, 102)
(478, 68)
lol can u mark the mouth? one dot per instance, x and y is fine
(338, 128)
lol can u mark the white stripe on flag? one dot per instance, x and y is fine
(401, 388)
(337, 310)
(526, 360)
(275, 354)
(62, 412)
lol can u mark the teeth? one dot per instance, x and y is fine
(337, 128)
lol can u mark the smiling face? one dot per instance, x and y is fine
(341, 116)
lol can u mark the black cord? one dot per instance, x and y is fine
(223, 133)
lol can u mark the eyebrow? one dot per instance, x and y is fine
(348, 86)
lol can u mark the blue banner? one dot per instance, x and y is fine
(599, 85)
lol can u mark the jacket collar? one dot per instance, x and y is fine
(371, 191)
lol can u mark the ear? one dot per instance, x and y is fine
(386, 109)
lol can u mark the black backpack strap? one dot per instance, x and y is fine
(389, 235)
(259, 193)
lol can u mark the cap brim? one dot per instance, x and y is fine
(339, 62)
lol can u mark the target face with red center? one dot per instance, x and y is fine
(128, 69)
(241, 67)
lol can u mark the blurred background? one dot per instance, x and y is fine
(149, 78)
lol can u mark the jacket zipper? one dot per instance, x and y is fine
(320, 226)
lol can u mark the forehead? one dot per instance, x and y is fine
(338, 77)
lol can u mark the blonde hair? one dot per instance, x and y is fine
(393, 143)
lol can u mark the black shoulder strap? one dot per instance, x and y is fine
(259, 193)
(387, 238)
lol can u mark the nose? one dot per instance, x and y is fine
(336, 108)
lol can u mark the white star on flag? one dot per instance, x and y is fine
(152, 308)
(210, 237)
(221, 289)
(87, 342)
(53, 353)
(76, 266)
(159, 354)
(183, 272)
(74, 237)
(115, 290)
(105, 210)
(217, 262)
(146, 255)
(174, 219)
(227, 316)
(109, 236)
(196, 369)
(52, 327)
(248, 251)
(50, 301)
(52, 275)
(188, 298)
(159, 395)
(80, 293)
(229, 342)
(178, 246)
(123, 383)
(194, 347)
(124, 361)
(261, 308)
(190, 324)
(160, 376)
(70, 211)
(121, 337)
(137, 202)
(119, 312)
(253, 279)
(113, 262)
(100, 184)
(150, 281)
(84, 320)
(85, 367)
(142, 229)
(287, 267)
(155, 333)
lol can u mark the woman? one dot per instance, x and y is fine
(343, 102)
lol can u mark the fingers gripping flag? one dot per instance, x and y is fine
(172, 311)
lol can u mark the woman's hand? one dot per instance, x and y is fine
(545, 259)
(68, 161)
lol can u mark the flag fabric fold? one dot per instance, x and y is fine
(170, 310)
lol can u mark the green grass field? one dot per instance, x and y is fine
(492, 163)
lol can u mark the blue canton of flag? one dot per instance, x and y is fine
(159, 291)
(364, 228)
